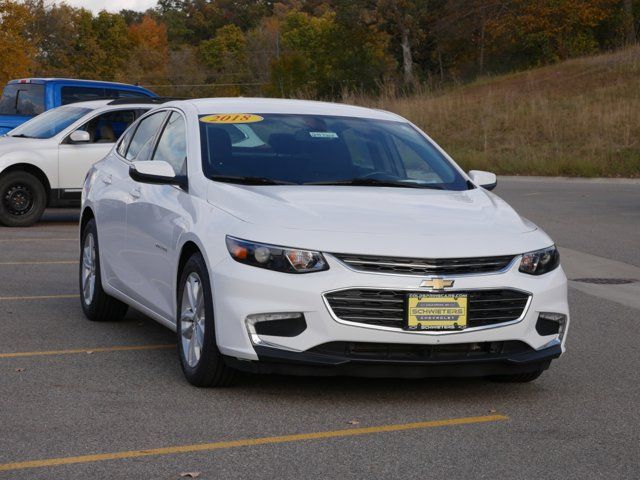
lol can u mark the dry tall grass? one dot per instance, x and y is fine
(577, 118)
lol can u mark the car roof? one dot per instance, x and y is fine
(278, 105)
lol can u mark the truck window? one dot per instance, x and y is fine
(81, 94)
(22, 99)
(113, 93)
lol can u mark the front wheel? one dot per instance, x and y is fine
(23, 199)
(201, 361)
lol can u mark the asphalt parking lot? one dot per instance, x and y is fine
(85, 400)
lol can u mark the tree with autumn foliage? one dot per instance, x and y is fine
(149, 57)
(17, 54)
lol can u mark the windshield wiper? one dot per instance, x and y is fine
(20, 135)
(245, 180)
(372, 182)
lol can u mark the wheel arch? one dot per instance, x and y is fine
(188, 249)
(87, 214)
(33, 170)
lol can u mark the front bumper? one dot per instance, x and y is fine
(274, 360)
(241, 290)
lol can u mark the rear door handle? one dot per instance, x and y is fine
(135, 193)
(106, 179)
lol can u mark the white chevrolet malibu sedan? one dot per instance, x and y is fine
(298, 237)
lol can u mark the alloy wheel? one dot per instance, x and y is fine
(88, 269)
(192, 319)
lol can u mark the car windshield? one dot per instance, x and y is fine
(50, 123)
(271, 149)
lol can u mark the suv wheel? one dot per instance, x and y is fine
(96, 304)
(201, 361)
(23, 199)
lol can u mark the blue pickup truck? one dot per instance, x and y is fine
(25, 98)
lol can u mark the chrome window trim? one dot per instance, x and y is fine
(428, 332)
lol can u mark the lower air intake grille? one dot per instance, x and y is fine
(405, 352)
(387, 307)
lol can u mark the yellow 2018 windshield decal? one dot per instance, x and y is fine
(232, 118)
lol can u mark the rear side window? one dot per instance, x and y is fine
(22, 99)
(113, 93)
(141, 146)
(81, 94)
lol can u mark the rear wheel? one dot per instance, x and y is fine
(201, 361)
(96, 304)
(23, 199)
(518, 377)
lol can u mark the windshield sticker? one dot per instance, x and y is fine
(232, 118)
(323, 134)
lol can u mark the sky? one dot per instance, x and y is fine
(113, 5)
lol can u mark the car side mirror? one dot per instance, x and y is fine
(157, 172)
(80, 136)
(486, 180)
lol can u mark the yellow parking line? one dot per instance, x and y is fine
(85, 350)
(41, 262)
(37, 297)
(201, 447)
(35, 239)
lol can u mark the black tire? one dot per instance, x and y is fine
(517, 377)
(98, 307)
(210, 369)
(23, 199)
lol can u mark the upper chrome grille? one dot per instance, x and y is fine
(425, 266)
(386, 308)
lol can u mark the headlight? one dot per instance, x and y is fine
(271, 257)
(540, 261)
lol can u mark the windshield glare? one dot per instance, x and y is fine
(50, 123)
(310, 149)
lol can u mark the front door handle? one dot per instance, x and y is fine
(135, 193)
(106, 179)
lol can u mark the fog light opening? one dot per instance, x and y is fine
(551, 323)
(274, 324)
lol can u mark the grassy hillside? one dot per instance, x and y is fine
(577, 118)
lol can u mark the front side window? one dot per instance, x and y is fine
(172, 146)
(108, 127)
(50, 123)
(22, 99)
(141, 146)
(315, 149)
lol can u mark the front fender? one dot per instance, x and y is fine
(46, 161)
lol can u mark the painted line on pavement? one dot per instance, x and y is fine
(124, 348)
(38, 297)
(35, 239)
(205, 447)
(40, 262)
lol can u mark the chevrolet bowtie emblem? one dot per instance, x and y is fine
(437, 283)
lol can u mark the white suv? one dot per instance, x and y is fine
(44, 161)
(338, 241)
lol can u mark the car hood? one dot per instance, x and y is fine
(11, 144)
(371, 210)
